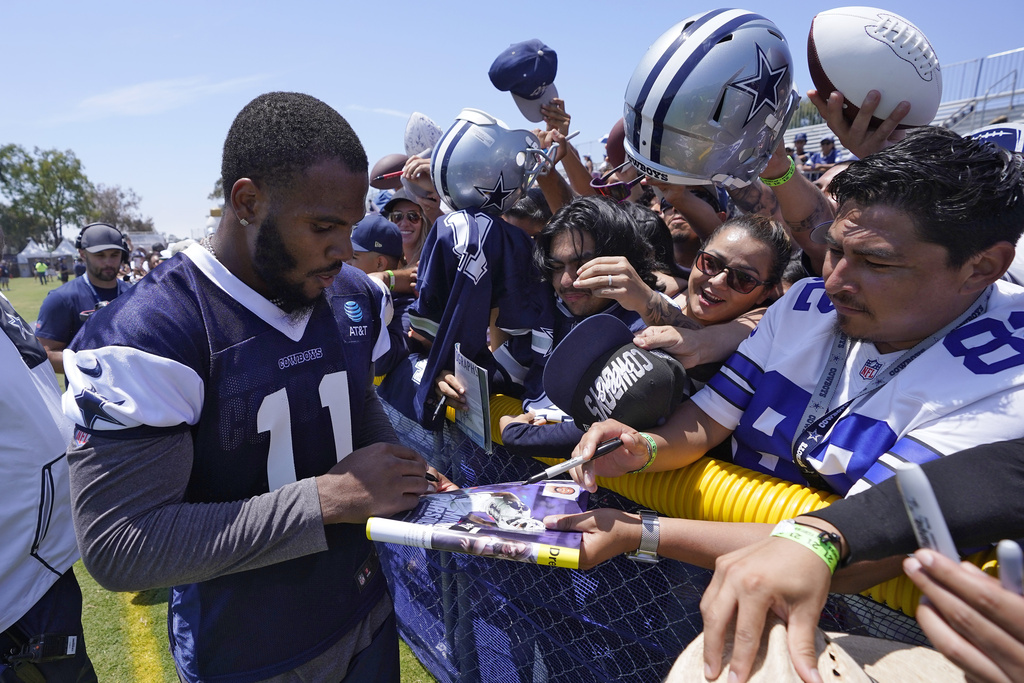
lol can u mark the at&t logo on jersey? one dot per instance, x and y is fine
(354, 313)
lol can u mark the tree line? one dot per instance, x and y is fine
(44, 190)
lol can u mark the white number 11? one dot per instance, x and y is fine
(274, 416)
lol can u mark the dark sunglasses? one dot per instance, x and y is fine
(397, 216)
(619, 191)
(742, 282)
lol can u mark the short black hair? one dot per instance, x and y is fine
(613, 230)
(962, 194)
(651, 227)
(768, 232)
(279, 135)
(532, 206)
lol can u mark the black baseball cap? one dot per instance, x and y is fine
(100, 237)
(597, 373)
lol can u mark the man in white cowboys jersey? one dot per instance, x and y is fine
(39, 596)
(230, 444)
(909, 348)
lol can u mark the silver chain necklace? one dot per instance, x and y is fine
(207, 243)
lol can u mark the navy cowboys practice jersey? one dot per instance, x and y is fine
(268, 400)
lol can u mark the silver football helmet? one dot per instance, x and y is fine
(710, 100)
(481, 164)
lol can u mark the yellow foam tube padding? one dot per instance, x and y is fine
(718, 491)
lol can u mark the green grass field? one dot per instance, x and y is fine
(126, 633)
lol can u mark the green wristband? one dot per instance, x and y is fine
(821, 543)
(775, 182)
(652, 451)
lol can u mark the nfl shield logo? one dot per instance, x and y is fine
(870, 368)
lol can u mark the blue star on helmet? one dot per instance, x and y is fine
(93, 408)
(762, 87)
(494, 196)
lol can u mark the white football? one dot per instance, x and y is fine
(858, 49)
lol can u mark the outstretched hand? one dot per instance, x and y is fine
(858, 137)
(772, 575)
(631, 456)
(969, 617)
(606, 533)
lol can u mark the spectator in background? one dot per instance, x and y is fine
(5, 276)
(80, 267)
(40, 268)
(66, 309)
(823, 160)
(531, 213)
(686, 240)
(377, 251)
(800, 156)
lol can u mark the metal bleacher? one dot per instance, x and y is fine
(973, 94)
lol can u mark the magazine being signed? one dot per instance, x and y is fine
(501, 520)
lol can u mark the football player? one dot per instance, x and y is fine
(230, 444)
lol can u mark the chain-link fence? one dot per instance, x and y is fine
(469, 618)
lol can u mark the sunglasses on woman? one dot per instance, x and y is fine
(397, 216)
(619, 191)
(742, 282)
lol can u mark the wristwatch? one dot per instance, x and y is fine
(650, 535)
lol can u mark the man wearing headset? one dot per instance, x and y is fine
(65, 309)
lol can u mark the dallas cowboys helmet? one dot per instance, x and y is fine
(481, 164)
(710, 100)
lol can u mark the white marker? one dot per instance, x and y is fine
(1011, 566)
(922, 507)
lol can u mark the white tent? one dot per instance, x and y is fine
(29, 256)
(65, 248)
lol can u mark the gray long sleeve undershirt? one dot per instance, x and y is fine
(135, 532)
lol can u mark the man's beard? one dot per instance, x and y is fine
(272, 262)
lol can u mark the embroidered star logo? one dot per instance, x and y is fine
(763, 87)
(495, 196)
(93, 408)
(13, 320)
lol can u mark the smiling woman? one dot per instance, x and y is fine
(737, 269)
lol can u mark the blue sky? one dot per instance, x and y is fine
(144, 93)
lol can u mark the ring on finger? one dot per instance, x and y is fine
(609, 280)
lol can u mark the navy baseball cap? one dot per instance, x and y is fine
(100, 237)
(800, 136)
(527, 70)
(597, 373)
(378, 234)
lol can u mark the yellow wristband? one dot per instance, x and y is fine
(775, 182)
(652, 451)
(821, 543)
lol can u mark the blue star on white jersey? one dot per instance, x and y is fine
(495, 196)
(93, 408)
(762, 87)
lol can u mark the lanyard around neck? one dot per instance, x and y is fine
(816, 422)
